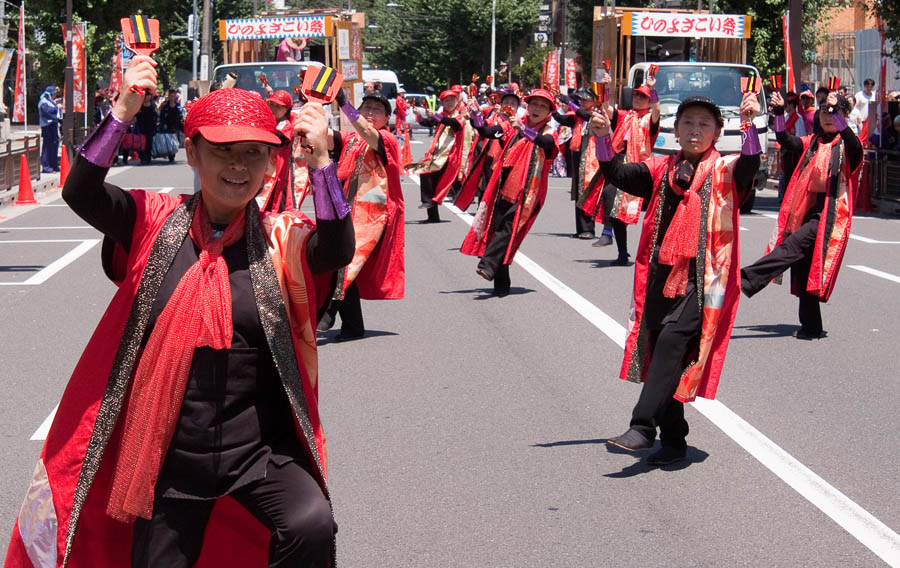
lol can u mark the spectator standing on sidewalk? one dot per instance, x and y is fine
(171, 117)
(865, 96)
(147, 119)
(48, 116)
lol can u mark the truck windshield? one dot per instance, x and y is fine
(279, 76)
(674, 83)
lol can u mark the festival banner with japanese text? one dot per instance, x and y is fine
(679, 24)
(571, 74)
(551, 71)
(79, 96)
(6, 57)
(19, 96)
(269, 28)
(115, 80)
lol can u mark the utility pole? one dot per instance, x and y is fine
(795, 32)
(68, 119)
(195, 43)
(493, 40)
(205, 41)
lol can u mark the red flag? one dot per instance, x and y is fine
(19, 96)
(789, 64)
(79, 94)
(115, 80)
(571, 74)
(552, 81)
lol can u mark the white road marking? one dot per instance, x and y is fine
(164, 189)
(866, 240)
(45, 273)
(868, 530)
(45, 228)
(41, 433)
(874, 272)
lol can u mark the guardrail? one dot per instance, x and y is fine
(10, 160)
(885, 174)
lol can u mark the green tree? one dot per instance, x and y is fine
(529, 73)
(889, 12)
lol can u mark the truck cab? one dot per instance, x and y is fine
(721, 82)
(280, 74)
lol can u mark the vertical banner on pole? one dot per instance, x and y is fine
(571, 74)
(19, 96)
(552, 81)
(115, 80)
(78, 68)
(789, 64)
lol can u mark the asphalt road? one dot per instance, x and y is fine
(468, 430)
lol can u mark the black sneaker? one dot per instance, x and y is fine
(631, 440)
(347, 336)
(621, 260)
(603, 241)
(809, 335)
(666, 455)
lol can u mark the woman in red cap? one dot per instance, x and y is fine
(189, 433)
(634, 135)
(369, 168)
(287, 164)
(686, 287)
(439, 169)
(515, 194)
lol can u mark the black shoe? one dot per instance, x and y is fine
(348, 336)
(621, 260)
(585, 235)
(809, 335)
(666, 455)
(326, 322)
(434, 216)
(631, 440)
(483, 273)
(603, 241)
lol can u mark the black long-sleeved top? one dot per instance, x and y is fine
(567, 119)
(545, 142)
(793, 145)
(636, 179)
(235, 416)
(446, 121)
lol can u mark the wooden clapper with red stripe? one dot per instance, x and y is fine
(321, 84)
(141, 34)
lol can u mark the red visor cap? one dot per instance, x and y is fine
(542, 94)
(229, 116)
(282, 98)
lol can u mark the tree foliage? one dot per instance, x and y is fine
(889, 12)
(443, 42)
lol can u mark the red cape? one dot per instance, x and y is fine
(233, 536)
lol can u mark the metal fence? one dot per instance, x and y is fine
(10, 161)
(886, 174)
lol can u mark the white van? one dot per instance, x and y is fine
(390, 84)
(721, 82)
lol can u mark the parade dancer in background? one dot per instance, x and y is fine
(515, 193)
(484, 122)
(284, 171)
(439, 170)
(686, 285)
(369, 168)
(401, 127)
(200, 380)
(814, 220)
(634, 135)
(581, 155)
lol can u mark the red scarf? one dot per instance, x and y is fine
(679, 246)
(813, 179)
(198, 314)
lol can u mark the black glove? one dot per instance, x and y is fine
(777, 110)
(341, 98)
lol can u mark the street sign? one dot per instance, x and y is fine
(543, 28)
(541, 38)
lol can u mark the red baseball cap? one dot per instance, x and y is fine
(281, 97)
(229, 116)
(542, 94)
(448, 93)
(644, 90)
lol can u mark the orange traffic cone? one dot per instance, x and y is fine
(26, 193)
(63, 167)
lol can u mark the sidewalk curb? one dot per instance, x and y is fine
(47, 184)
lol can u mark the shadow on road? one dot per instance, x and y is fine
(764, 331)
(22, 268)
(597, 263)
(640, 466)
(487, 293)
(331, 336)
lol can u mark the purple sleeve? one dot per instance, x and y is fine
(328, 195)
(654, 96)
(351, 112)
(604, 147)
(438, 116)
(838, 119)
(477, 119)
(101, 146)
(779, 123)
(750, 141)
(573, 106)
(529, 133)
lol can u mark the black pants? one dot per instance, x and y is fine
(495, 251)
(584, 223)
(670, 346)
(427, 185)
(288, 502)
(619, 229)
(350, 310)
(794, 252)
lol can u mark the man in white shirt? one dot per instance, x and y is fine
(864, 97)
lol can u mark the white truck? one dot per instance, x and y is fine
(721, 82)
